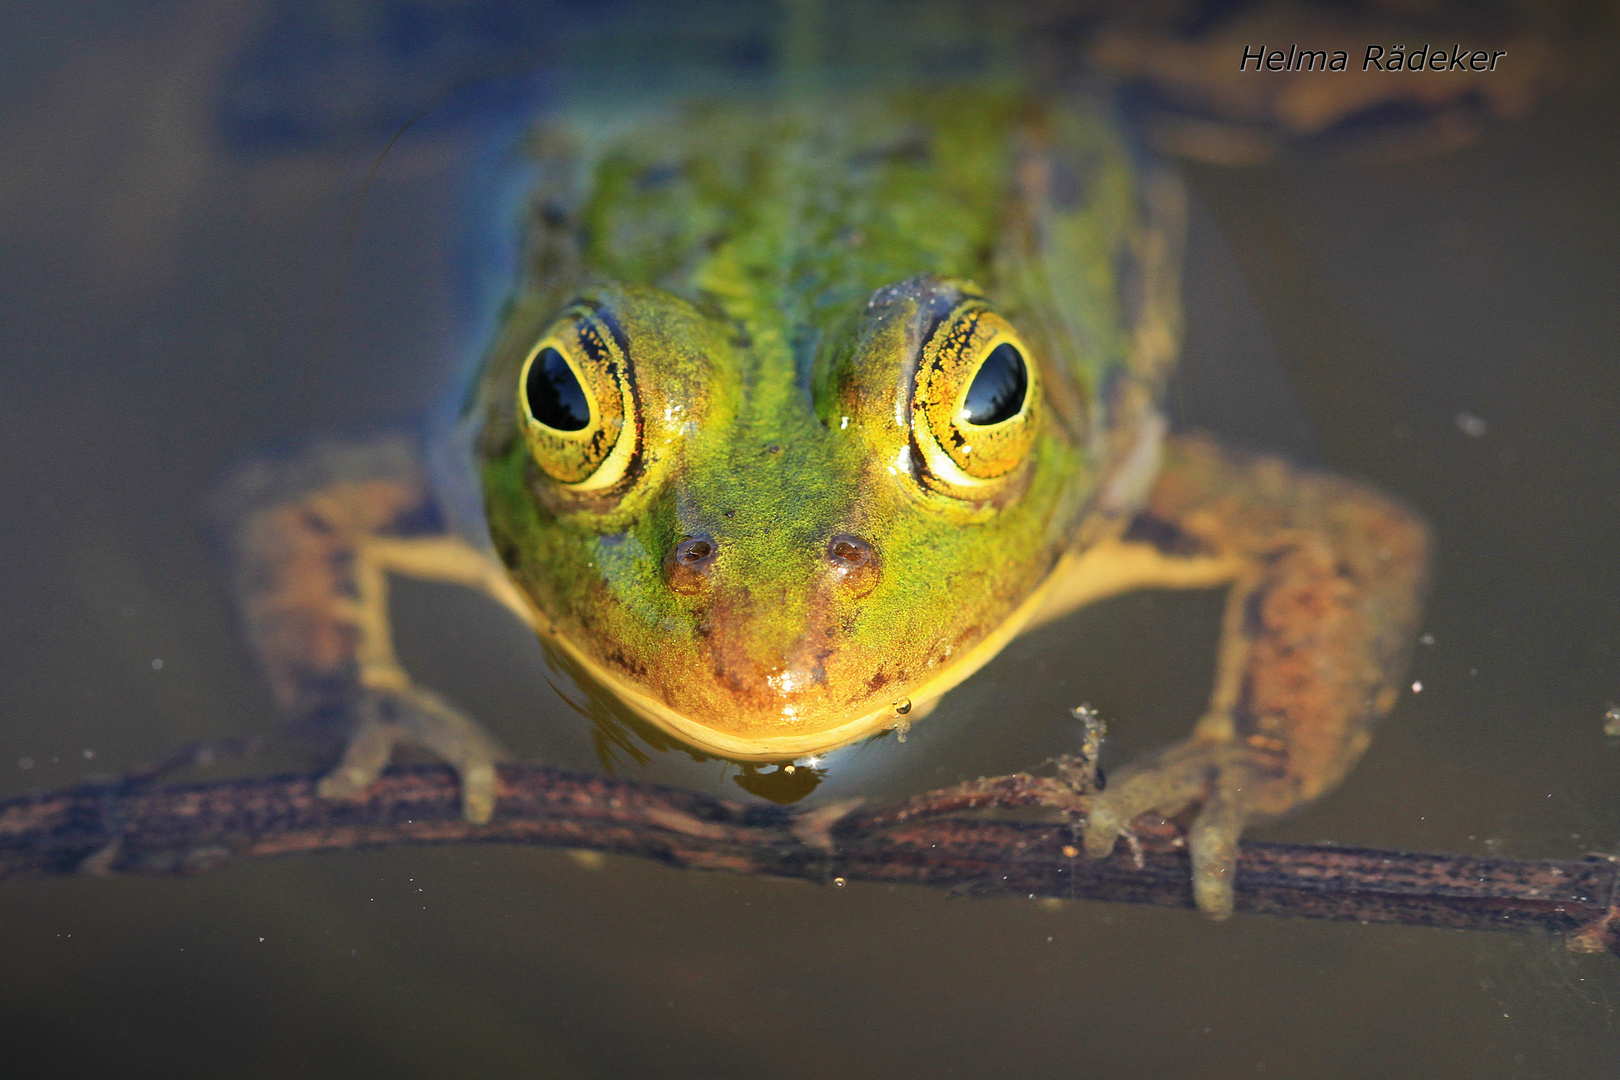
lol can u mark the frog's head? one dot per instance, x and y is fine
(770, 496)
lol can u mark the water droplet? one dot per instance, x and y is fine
(1427, 639)
(902, 706)
(1611, 720)
(1070, 851)
(1470, 425)
(838, 882)
(25, 763)
(157, 665)
(1417, 688)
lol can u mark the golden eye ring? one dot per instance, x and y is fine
(577, 404)
(976, 402)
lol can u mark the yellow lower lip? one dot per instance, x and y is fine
(801, 744)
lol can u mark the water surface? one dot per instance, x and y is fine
(187, 275)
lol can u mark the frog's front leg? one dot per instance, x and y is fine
(1326, 581)
(314, 541)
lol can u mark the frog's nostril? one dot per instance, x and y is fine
(847, 550)
(688, 563)
(694, 550)
(854, 563)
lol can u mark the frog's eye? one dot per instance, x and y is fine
(577, 403)
(973, 408)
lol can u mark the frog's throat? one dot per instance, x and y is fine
(802, 744)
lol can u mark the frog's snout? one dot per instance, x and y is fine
(770, 626)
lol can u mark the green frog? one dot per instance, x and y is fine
(800, 410)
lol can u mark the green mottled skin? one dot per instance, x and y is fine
(737, 247)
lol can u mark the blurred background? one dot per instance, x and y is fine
(230, 226)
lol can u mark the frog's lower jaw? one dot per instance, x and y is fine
(911, 703)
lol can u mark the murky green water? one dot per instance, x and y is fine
(177, 292)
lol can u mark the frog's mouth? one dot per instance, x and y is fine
(712, 737)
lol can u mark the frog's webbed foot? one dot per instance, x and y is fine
(1226, 780)
(315, 540)
(1324, 579)
(412, 714)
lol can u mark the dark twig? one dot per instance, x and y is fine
(138, 828)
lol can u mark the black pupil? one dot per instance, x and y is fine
(998, 389)
(555, 397)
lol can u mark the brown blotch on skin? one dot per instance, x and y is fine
(690, 563)
(966, 636)
(1166, 536)
(855, 564)
(295, 571)
(755, 676)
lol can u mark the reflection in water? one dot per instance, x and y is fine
(786, 783)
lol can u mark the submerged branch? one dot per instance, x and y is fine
(136, 827)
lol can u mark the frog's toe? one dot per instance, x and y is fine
(1215, 774)
(478, 792)
(344, 783)
(1213, 844)
(364, 758)
(1165, 783)
(432, 723)
(412, 714)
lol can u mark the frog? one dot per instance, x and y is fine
(802, 407)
